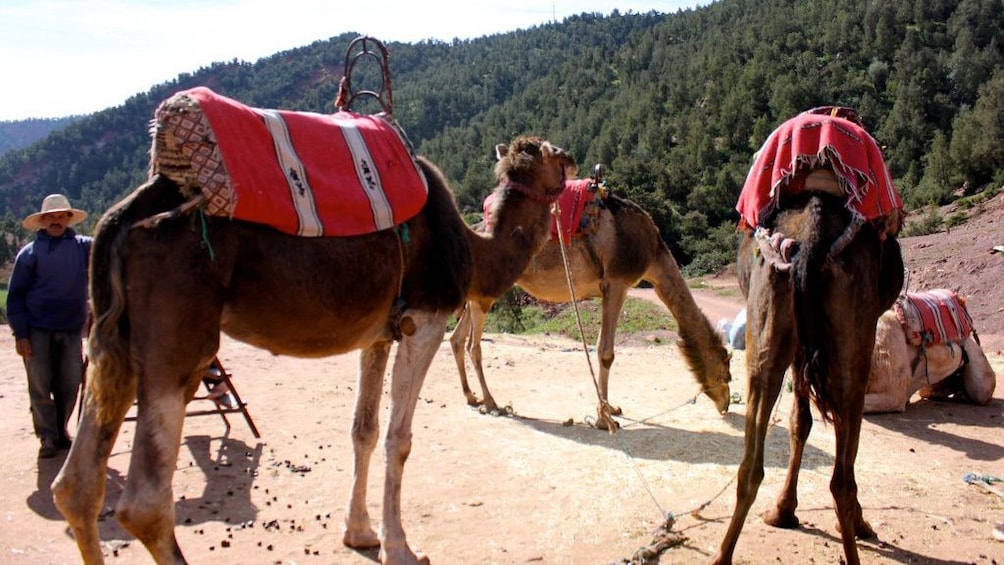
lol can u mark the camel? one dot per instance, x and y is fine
(623, 249)
(818, 264)
(167, 279)
(938, 370)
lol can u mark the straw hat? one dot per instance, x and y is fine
(54, 203)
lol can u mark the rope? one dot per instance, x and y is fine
(604, 409)
(154, 220)
(664, 537)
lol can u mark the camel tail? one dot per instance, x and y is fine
(112, 378)
(810, 284)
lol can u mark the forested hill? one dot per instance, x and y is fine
(673, 105)
(22, 133)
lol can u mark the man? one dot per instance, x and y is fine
(47, 310)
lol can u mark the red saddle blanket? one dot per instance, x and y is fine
(934, 316)
(302, 173)
(808, 141)
(571, 203)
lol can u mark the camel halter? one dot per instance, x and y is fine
(533, 194)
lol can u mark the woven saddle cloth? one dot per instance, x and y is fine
(934, 316)
(808, 141)
(302, 173)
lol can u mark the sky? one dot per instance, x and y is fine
(68, 57)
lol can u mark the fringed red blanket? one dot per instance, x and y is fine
(571, 203)
(805, 142)
(933, 316)
(302, 173)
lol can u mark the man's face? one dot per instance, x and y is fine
(55, 223)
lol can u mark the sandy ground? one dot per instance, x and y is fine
(538, 486)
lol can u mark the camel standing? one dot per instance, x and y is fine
(900, 369)
(624, 249)
(162, 291)
(818, 264)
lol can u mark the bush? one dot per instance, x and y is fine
(930, 223)
(956, 219)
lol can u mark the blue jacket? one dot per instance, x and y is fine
(48, 285)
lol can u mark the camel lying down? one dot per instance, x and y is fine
(899, 369)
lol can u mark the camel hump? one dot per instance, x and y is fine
(823, 180)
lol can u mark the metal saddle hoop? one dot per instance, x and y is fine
(368, 48)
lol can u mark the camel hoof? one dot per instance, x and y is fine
(361, 540)
(488, 407)
(862, 529)
(405, 556)
(779, 519)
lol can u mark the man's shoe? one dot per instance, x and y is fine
(47, 449)
(64, 442)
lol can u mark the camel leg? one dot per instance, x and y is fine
(79, 489)
(800, 422)
(770, 341)
(414, 356)
(478, 315)
(613, 296)
(359, 532)
(844, 487)
(978, 378)
(459, 341)
(146, 507)
(847, 427)
(613, 301)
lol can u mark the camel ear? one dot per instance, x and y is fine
(501, 150)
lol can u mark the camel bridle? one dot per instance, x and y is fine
(544, 198)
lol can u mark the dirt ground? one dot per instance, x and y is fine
(541, 485)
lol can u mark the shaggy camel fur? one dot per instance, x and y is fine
(624, 249)
(161, 300)
(899, 369)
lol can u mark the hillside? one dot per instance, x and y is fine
(22, 133)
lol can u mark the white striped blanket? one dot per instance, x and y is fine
(302, 173)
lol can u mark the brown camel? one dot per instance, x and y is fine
(163, 290)
(818, 271)
(624, 249)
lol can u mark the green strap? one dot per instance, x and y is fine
(205, 235)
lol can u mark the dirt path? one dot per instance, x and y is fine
(541, 486)
(719, 300)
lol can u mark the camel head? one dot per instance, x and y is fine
(718, 376)
(706, 354)
(536, 164)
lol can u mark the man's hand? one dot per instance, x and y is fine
(23, 346)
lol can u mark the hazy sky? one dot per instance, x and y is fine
(63, 57)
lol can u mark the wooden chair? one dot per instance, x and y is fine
(216, 376)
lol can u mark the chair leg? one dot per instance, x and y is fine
(241, 407)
